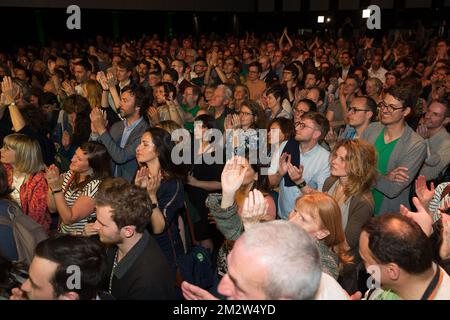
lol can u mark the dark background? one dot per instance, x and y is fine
(40, 21)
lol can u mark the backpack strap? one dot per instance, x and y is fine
(5, 221)
(445, 192)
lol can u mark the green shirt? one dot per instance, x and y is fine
(190, 125)
(384, 151)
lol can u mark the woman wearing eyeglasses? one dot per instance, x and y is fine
(353, 173)
(243, 128)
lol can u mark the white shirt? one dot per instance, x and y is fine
(379, 74)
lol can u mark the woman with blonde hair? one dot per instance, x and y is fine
(319, 215)
(22, 158)
(353, 174)
(92, 91)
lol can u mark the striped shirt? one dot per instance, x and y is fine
(437, 202)
(71, 196)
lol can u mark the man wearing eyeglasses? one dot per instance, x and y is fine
(401, 151)
(304, 165)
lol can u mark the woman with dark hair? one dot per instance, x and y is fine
(73, 194)
(12, 275)
(277, 107)
(204, 178)
(244, 126)
(289, 81)
(164, 182)
(73, 128)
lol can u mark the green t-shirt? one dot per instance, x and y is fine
(190, 125)
(384, 151)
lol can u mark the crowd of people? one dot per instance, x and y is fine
(313, 167)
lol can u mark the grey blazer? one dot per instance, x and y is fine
(123, 158)
(410, 152)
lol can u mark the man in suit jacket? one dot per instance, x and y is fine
(123, 137)
(346, 65)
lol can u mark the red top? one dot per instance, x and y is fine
(33, 197)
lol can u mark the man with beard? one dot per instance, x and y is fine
(136, 266)
(123, 137)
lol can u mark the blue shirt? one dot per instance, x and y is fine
(316, 169)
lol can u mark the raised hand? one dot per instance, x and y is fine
(54, 179)
(111, 80)
(98, 121)
(101, 78)
(10, 91)
(233, 175)
(421, 217)
(423, 193)
(254, 209)
(141, 179)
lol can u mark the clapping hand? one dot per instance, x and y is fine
(54, 179)
(101, 78)
(68, 88)
(141, 179)
(98, 121)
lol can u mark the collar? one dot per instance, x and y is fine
(134, 125)
(127, 262)
(313, 150)
(434, 285)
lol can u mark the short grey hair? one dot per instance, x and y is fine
(291, 257)
(227, 93)
(377, 83)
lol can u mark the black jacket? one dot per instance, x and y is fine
(143, 274)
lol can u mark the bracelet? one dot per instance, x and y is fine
(56, 191)
(301, 185)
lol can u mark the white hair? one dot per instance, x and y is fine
(227, 93)
(290, 256)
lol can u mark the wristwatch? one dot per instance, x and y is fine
(155, 205)
(301, 185)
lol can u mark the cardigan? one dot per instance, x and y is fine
(33, 197)
(409, 152)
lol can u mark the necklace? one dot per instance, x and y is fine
(112, 271)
